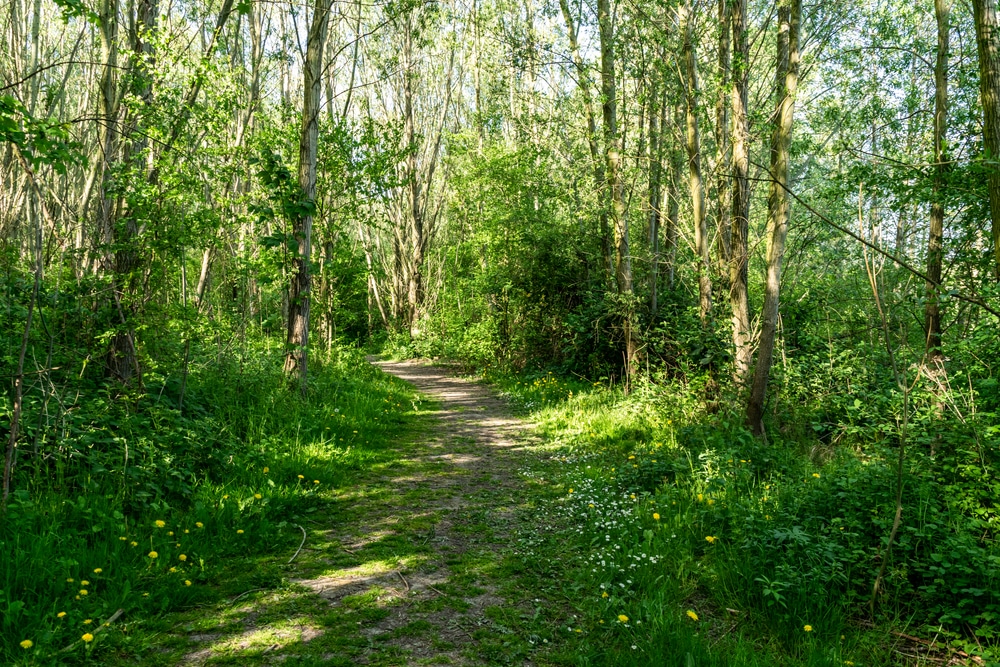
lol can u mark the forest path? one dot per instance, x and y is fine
(417, 564)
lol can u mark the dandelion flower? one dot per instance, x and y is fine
(153, 554)
(69, 580)
(27, 643)
(710, 539)
(656, 516)
(171, 533)
(173, 569)
(604, 594)
(61, 614)
(134, 543)
(225, 496)
(186, 531)
(182, 557)
(690, 614)
(816, 475)
(98, 570)
(160, 523)
(807, 628)
(239, 532)
(87, 621)
(571, 490)
(187, 582)
(87, 637)
(257, 496)
(266, 470)
(700, 497)
(315, 481)
(302, 476)
(123, 538)
(591, 505)
(84, 583)
(83, 591)
(622, 618)
(199, 524)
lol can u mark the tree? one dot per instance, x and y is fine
(297, 339)
(935, 237)
(984, 13)
(778, 203)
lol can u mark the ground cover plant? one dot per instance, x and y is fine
(697, 544)
(190, 512)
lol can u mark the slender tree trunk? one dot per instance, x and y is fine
(656, 117)
(787, 80)
(988, 43)
(600, 181)
(723, 153)
(693, 143)
(935, 250)
(296, 359)
(616, 193)
(741, 197)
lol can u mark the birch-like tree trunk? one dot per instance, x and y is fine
(935, 239)
(741, 196)
(778, 203)
(984, 13)
(297, 341)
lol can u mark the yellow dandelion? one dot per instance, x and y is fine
(98, 570)
(83, 591)
(656, 516)
(225, 496)
(123, 538)
(700, 497)
(604, 594)
(84, 583)
(87, 621)
(160, 523)
(590, 505)
(257, 496)
(315, 481)
(87, 637)
(61, 614)
(199, 524)
(816, 475)
(69, 580)
(187, 582)
(807, 628)
(571, 490)
(266, 470)
(186, 531)
(710, 539)
(631, 457)
(690, 614)
(133, 543)
(171, 533)
(302, 476)
(622, 618)
(632, 496)
(173, 569)
(153, 554)
(182, 557)
(27, 643)
(239, 532)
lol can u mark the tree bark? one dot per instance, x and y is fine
(741, 197)
(935, 249)
(600, 181)
(297, 341)
(988, 43)
(693, 143)
(723, 153)
(787, 79)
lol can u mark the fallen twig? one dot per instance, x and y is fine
(107, 623)
(252, 590)
(300, 543)
(405, 582)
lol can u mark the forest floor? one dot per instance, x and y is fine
(415, 564)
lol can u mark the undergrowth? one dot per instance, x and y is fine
(700, 545)
(139, 507)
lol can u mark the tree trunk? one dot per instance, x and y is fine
(988, 43)
(723, 153)
(600, 181)
(787, 79)
(935, 250)
(693, 144)
(741, 198)
(297, 342)
(656, 118)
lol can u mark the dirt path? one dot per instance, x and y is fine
(412, 567)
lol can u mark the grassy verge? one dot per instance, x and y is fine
(695, 544)
(147, 510)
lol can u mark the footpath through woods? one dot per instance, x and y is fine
(413, 566)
